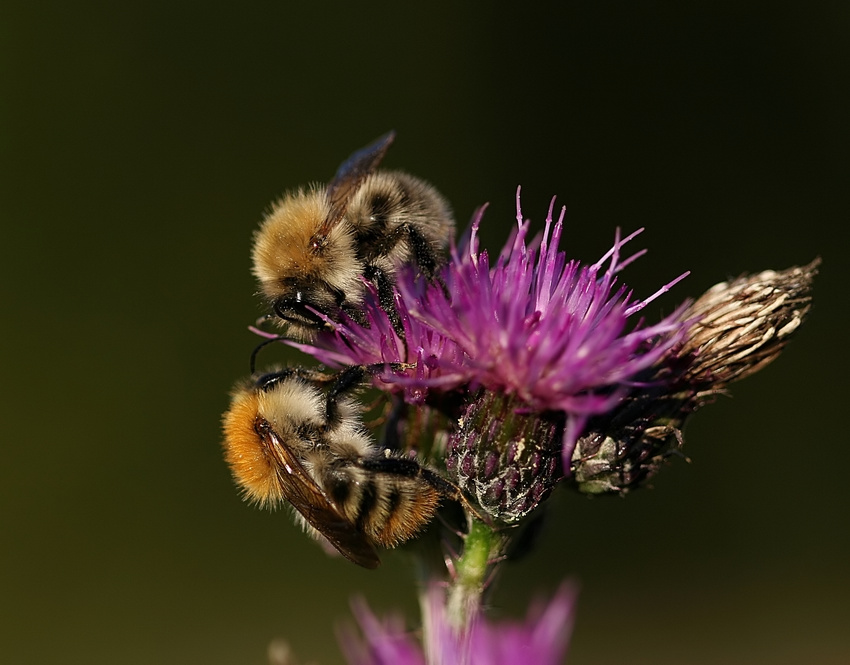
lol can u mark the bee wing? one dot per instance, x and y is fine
(351, 174)
(321, 513)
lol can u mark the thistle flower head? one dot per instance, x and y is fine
(552, 332)
(555, 372)
(530, 346)
(558, 335)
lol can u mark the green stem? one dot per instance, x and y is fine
(482, 546)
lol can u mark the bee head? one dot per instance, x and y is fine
(299, 301)
(304, 267)
(246, 449)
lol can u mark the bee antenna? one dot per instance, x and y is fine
(256, 351)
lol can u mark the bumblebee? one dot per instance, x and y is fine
(317, 245)
(295, 435)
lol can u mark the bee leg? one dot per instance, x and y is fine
(394, 466)
(452, 492)
(386, 297)
(269, 379)
(427, 259)
(411, 468)
(424, 258)
(423, 254)
(347, 380)
(422, 251)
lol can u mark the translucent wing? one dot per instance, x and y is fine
(320, 512)
(350, 175)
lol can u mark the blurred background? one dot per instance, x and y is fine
(140, 144)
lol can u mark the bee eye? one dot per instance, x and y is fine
(318, 243)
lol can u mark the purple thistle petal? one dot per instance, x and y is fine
(384, 642)
(542, 638)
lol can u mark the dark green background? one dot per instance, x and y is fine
(141, 143)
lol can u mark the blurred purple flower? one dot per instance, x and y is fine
(541, 639)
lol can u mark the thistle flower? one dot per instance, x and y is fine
(541, 639)
(737, 328)
(534, 346)
(550, 331)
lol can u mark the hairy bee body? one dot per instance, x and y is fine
(386, 203)
(287, 440)
(317, 245)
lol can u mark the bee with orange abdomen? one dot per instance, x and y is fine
(316, 246)
(295, 435)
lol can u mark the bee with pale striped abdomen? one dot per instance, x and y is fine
(295, 436)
